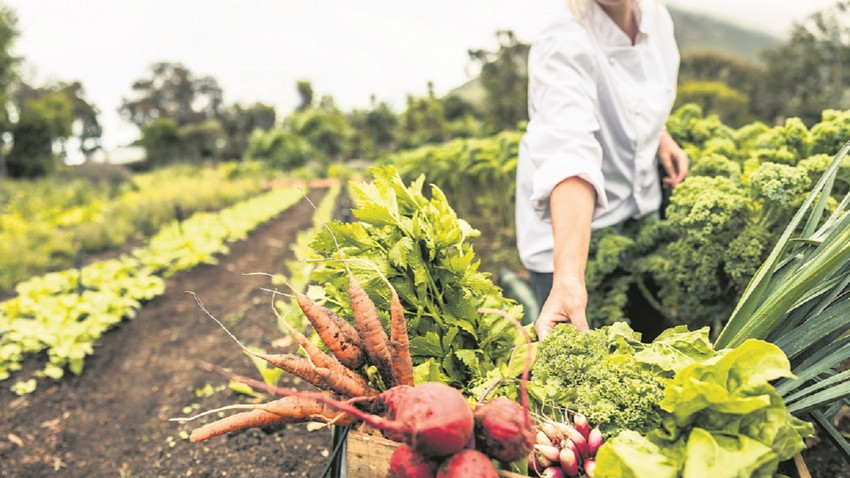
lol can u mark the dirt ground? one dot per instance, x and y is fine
(112, 421)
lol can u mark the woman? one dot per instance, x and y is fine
(602, 80)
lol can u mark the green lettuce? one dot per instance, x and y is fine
(720, 418)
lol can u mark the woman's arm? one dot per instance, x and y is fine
(572, 203)
(674, 160)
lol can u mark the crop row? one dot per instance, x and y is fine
(46, 224)
(64, 313)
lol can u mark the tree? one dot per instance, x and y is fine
(161, 141)
(423, 121)
(8, 75)
(807, 74)
(326, 129)
(238, 122)
(305, 93)
(504, 77)
(202, 140)
(374, 129)
(172, 91)
(45, 120)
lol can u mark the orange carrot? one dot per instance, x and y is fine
(292, 409)
(301, 366)
(323, 360)
(375, 340)
(342, 341)
(399, 342)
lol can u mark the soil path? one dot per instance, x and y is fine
(112, 420)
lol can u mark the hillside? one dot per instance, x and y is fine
(695, 32)
(698, 32)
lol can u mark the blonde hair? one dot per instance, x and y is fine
(581, 7)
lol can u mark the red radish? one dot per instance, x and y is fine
(580, 423)
(552, 472)
(589, 467)
(406, 463)
(579, 440)
(570, 445)
(550, 453)
(552, 431)
(539, 458)
(543, 439)
(569, 462)
(594, 441)
(467, 464)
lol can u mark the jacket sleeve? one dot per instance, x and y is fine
(563, 117)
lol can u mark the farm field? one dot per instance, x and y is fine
(112, 420)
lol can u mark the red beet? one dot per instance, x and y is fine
(406, 463)
(439, 419)
(467, 464)
(502, 430)
(433, 418)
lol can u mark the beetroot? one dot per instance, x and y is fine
(467, 464)
(433, 418)
(406, 463)
(438, 418)
(502, 430)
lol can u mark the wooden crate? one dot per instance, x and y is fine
(368, 456)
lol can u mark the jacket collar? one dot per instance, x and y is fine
(609, 34)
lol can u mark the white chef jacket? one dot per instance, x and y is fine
(597, 105)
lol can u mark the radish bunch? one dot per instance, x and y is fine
(562, 449)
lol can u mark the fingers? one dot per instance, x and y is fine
(676, 164)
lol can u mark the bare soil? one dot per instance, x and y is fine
(112, 420)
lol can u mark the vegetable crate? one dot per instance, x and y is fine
(368, 456)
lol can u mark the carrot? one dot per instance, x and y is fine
(355, 383)
(368, 324)
(340, 337)
(291, 409)
(342, 340)
(350, 383)
(399, 342)
(375, 340)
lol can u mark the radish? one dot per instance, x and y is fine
(552, 431)
(580, 423)
(589, 467)
(552, 472)
(406, 463)
(467, 464)
(570, 445)
(569, 462)
(542, 439)
(579, 440)
(594, 441)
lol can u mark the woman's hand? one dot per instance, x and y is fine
(567, 302)
(673, 159)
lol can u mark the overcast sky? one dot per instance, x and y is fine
(258, 49)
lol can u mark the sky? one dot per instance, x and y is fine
(258, 49)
